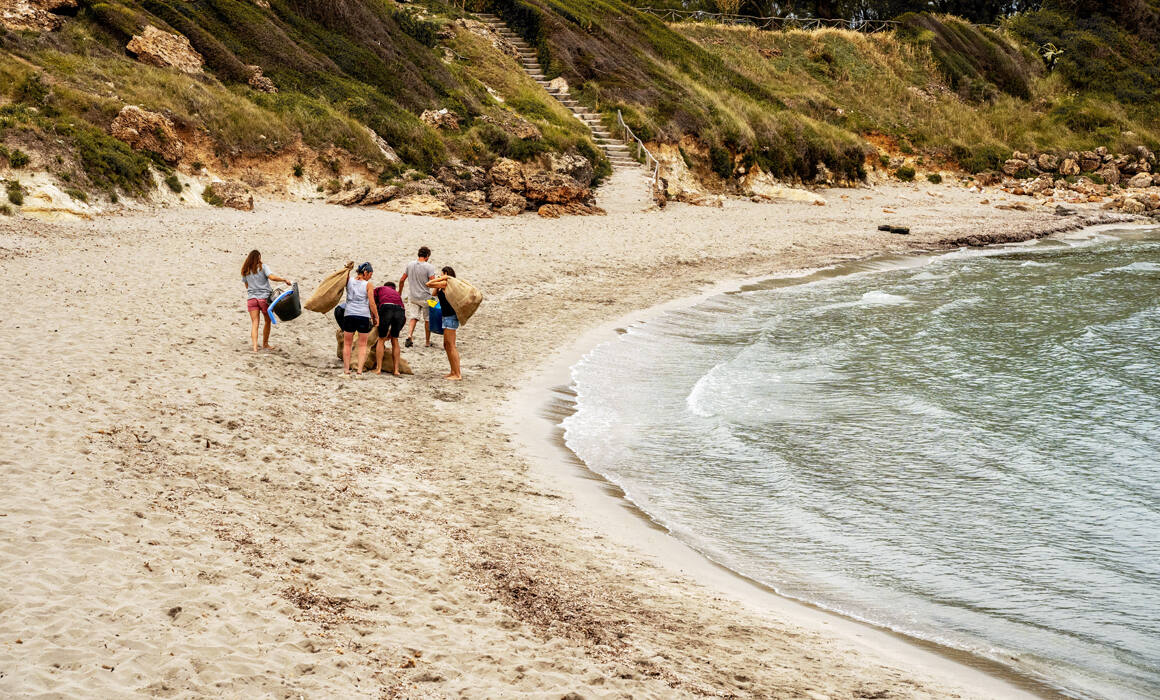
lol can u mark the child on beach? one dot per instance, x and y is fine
(357, 315)
(391, 319)
(450, 323)
(256, 276)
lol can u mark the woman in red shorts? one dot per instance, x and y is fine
(256, 276)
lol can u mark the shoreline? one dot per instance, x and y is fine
(188, 516)
(535, 416)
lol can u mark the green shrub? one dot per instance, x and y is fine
(420, 30)
(211, 197)
(978, 158)
(934, 178)
(174, 183)
(6, 210)
(79, 195)
(197, 166)
(110, 163)
(298, 169)
(15, 192)
(905, 173)
(18, 158)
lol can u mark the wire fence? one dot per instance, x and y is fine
(869, 26)
(650, 159)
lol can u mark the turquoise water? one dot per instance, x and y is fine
(964, 448)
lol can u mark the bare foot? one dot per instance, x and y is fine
(269, 347)
(378, 370)
(397, 374)
(453, 377)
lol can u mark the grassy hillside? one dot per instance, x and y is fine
(340, 67)
(942, 88)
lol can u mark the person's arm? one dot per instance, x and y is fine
(401, 281)
(276, 278)
(439, 282)
(374, 307)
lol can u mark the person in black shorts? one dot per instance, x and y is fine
(392, 316)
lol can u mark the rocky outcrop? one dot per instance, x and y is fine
(1069, 167)
(158, 48)
(380, 194)
(35, 15)
(507, 173)
(471, 203)
(763, 187)
(349, 197)
(1140, 180)
(573, 165)
(1110, 174)
(505, 202)
(463, 178)
(229, 193)
(419, 204)
(440, 119)
(260, 82)
(554, 188)
(1047, 162)
(1014, 166)
(555, 211)
(148, 131)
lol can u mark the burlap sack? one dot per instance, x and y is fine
(372, 338)
(330, 291)
(464, 298)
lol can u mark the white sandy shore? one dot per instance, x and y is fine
(183, 517)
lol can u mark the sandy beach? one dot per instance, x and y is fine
(184, 517)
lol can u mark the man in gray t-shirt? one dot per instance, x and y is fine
(415, 277)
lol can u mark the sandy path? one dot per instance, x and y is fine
(183, 517)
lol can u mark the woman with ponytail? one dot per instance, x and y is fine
(256, 276)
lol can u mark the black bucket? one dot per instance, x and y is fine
(288, 305)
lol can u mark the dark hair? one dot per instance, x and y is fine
(252, 264)
(365, 267)
(449, 271)
(389, 284)
(424, 252)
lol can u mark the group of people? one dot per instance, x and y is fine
(367, 306)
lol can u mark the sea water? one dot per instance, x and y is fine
(964, 448)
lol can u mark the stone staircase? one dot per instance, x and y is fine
(617, 152)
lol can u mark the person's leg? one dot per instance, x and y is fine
(427, 329)
(379, 354)
(362, 351)
(411, 323)
(396, 354)
(266, 333)
(347, 339)
(254, 328)
(452, 353)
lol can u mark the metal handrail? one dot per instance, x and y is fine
(869, 26)
(650, 159)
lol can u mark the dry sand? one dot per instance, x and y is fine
(182, 517)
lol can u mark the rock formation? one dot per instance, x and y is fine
(260, 82)
(158, 48)
(440, 119)
(35, 15)
(148, 131)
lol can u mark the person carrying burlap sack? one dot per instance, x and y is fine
(458, 301)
